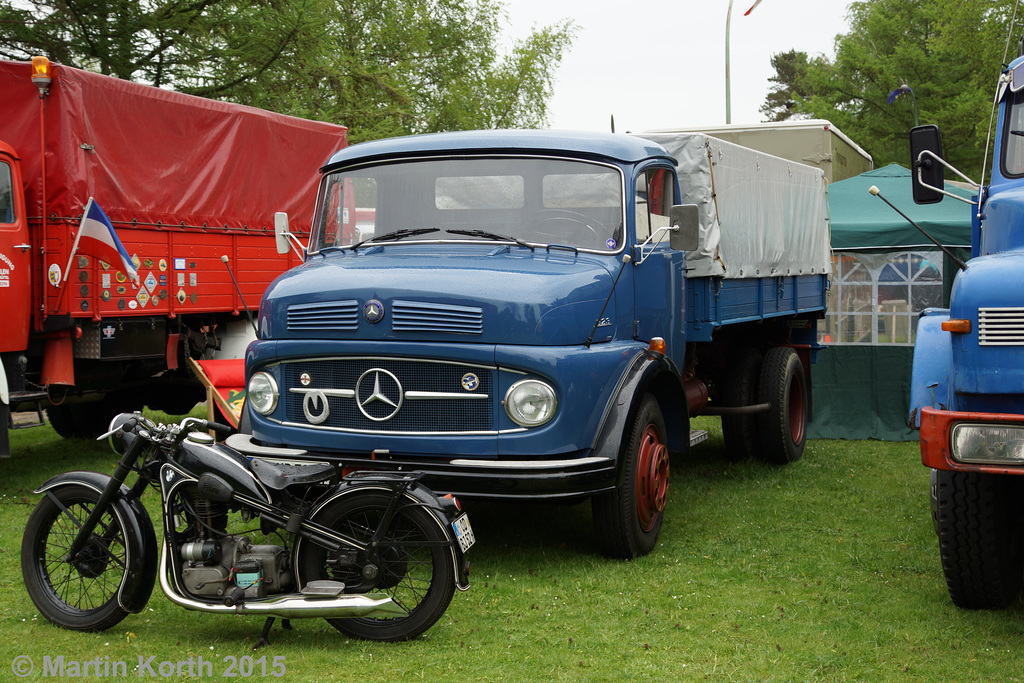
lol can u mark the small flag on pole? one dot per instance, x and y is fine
(902, 90)
(97, 237)
(758, 2)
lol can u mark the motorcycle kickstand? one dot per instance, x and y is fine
(286, 624)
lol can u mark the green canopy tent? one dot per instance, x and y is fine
(885, 272)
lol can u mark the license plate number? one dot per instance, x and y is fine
(464, 532)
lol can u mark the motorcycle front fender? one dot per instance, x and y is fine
(141, 551)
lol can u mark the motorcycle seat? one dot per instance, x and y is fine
(279, 475)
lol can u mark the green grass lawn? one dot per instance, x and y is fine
(824, 569)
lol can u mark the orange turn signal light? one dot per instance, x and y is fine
(956, 325)
(657, 344)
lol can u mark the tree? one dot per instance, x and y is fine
(790, 73)
(947, 51)
(381, 67)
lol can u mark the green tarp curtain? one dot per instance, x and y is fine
(862, 391)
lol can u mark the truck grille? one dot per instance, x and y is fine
(1001, 326)
(385, 395)
(331, 316)
(415, 316)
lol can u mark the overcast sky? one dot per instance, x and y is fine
(661, 63)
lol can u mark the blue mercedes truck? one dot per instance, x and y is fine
(536, 315)
(967, 394)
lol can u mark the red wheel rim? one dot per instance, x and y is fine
(652, 478)
(797, 411)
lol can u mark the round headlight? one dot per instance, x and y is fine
(530, 403)
(262, 393)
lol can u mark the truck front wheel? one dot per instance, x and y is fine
(628, 519)
(981, 544)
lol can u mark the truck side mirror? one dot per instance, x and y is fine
(281, 232)
(925, 167)
(686, 219)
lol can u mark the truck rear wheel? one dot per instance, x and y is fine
(981, 539)
(628, 519)
(783, 428)
(740, 389)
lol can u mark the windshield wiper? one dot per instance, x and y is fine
(394, 235)
(491, 236)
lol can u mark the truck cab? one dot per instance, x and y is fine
(967, 392)
(507, 311)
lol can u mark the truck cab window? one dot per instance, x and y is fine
(654, 196)
(1013, 137)
(348, 211)
(6, 195)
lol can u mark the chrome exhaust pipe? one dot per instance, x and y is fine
(289, 606)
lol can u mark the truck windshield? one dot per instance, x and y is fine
(537, 201)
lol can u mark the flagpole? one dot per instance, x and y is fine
(78, 236)
(728, 84)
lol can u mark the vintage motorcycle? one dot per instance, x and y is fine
(377, 554)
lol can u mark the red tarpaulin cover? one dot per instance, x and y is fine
(152, 155)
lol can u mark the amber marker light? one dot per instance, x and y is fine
(657, 344)
(956, 325)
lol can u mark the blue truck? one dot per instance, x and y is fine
(967, 394)
(536, 315)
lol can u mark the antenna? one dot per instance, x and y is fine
(875, 192)
(224, 258)
(626, 258)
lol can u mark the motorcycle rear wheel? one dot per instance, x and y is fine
(81, 595)
(416, 575)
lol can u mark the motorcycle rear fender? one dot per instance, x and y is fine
(137, 586)
(418, 495)
(648, 373)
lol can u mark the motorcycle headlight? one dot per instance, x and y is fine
(530, 402)
(261, 393)
(117, 440)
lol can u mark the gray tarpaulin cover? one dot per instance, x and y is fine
(761, 216)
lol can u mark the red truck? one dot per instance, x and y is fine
(184, 181)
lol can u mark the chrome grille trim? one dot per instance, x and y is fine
(1001, 326)
(418, 316)
(374, 395)
(334, 316)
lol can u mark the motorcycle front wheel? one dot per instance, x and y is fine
(412, 565)
(79, 595)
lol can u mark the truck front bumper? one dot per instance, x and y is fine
(558, 479)
(972, 442)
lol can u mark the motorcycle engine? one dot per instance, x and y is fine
(214, 567)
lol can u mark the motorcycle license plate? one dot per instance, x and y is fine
(464, 532)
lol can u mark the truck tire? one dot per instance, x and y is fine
(740, 389)
(628, 520)
(63, 422)
(981, 539)
(783, 428)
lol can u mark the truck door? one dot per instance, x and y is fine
(15, 256)
(658, 279)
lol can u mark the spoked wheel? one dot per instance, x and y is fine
(81, 594)
(783, 429)
(628, 520)
(412, 565)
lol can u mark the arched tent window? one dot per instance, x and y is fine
(876, 297)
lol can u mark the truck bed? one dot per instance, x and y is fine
(761, 216)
